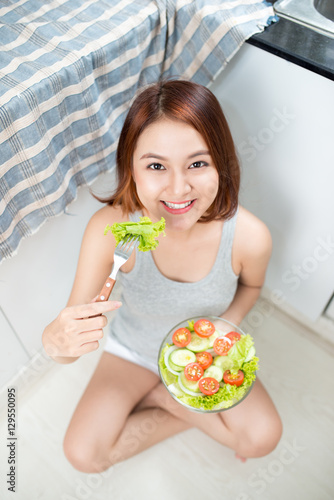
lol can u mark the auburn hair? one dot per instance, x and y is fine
(197, 106)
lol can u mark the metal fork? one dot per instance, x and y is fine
(122, 252)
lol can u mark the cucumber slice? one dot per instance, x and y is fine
(213, 337)
(188, 386)
(223, 362)
(175, 367)
(182, 357)
(214, 372)
(168, 363)
(175, 389)
(198, 344)
(191, 385)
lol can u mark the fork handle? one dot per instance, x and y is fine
(106, 290)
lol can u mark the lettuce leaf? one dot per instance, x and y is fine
(191, 326)
(239, 352)
(145, 231)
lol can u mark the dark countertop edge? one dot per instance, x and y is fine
(287, 39)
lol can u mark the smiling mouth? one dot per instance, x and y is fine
(177, 206)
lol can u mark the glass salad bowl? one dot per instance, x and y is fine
(207, 364)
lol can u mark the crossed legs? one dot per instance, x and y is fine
(125, 410)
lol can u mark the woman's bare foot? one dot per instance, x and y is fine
(239, 457)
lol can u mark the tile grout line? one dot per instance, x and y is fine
(14, 332)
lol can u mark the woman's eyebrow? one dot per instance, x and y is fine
(199, 153)
(159, 157)
(153, 155)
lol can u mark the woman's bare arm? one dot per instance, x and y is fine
(79, 326)
(252, 250)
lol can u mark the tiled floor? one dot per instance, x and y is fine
(296, 370)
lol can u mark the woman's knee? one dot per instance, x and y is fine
(262, 440)
(81, 456)
(88, 457)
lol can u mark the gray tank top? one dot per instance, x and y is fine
(154, 304)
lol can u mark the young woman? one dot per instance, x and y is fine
(176, 160)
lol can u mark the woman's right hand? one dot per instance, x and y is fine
(77, 330)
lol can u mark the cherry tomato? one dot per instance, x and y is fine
(193, 371)
(204, 359)
(181, 337)
(208, 385)
(204, 328)
(236, 379)
(222, 345)
(233, 336)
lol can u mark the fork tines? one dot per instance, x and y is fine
(128, 244)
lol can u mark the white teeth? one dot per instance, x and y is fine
(177, 205)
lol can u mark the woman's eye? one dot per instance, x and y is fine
(198, 164)
(156, 166)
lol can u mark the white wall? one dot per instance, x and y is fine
(281, 116)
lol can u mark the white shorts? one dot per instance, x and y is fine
(123, 352)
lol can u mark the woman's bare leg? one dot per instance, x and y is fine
(102, 430)
(144, 429)
(125, 410)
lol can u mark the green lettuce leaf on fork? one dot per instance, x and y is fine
(145, 230)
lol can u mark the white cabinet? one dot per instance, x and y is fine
(281, 116)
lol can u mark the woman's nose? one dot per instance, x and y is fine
(178, 184)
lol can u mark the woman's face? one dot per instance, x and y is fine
(174, 173)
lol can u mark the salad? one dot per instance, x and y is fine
(206, 368)
(145, 231)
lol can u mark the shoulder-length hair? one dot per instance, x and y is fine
(197, 106)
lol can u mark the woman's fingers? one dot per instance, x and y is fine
(94, 299)
(89, 324)
(89, 347)
(95, 308)
(81, 331)
(83, 342)
(92, 336)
